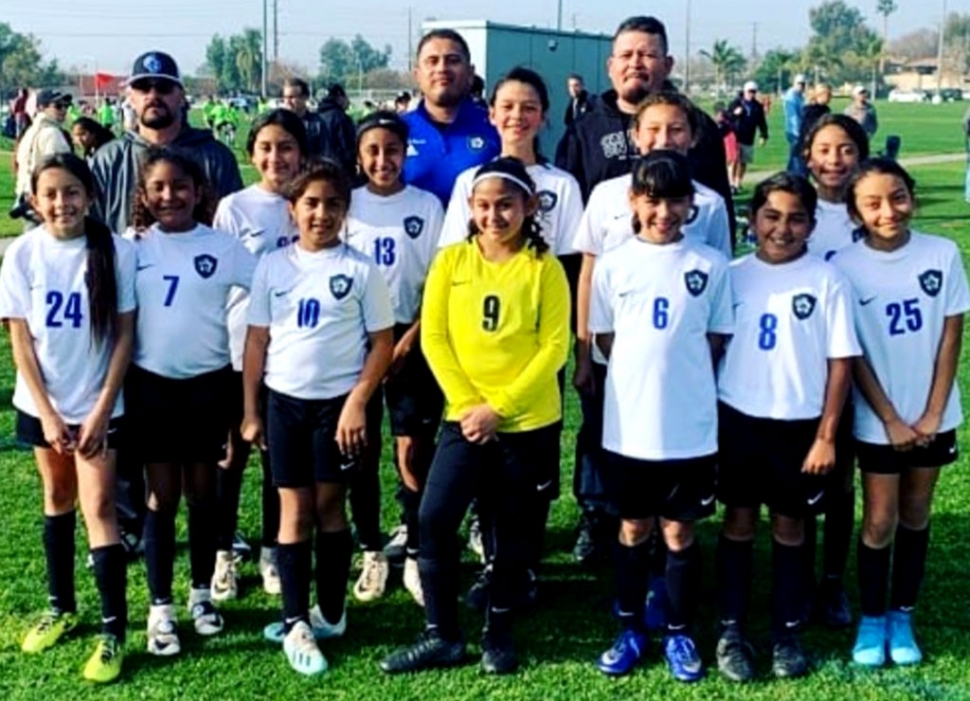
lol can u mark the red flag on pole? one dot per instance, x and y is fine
(103, 81)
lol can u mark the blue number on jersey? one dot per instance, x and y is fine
(384, 251)
(173, 284)
(767, 338)
(904, 317)
(661, 315)
(72, 310)
(308, 313)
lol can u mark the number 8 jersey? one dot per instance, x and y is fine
(902, 299)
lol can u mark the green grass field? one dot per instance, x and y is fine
(558, 642)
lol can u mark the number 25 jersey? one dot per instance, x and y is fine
(902, 299)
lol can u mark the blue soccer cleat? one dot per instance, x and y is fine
(902, 643)
(682, 658)
(870, 642)
(625, 653)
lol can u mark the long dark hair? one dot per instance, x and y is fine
(529, 77)
(531, 229)
(100, 278)
(847, 124)
(876, 166)
(101, 134)
(141, 218)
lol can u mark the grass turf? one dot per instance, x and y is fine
(558, 642)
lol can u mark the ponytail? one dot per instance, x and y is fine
(101, 281)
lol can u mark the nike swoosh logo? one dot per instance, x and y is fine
(143, 267)
(254, 234)
(544, 486)
(456, 283)
(280, 293)
(952, 450)
(867, 301)
(346, 466)
(737, 304)
(814, 500)
(112, 430)
(708, 501)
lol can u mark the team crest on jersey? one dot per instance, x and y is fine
(932, 282)
(692, 215)
(803, 305)
(340, 286)
(696, 281)
(476, 143)
(858, 233)
(547, 200)
(413, 226)
(205, 265)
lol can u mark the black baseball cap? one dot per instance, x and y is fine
(155, 65)
(383, 119)
(51, 96)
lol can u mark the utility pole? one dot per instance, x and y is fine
(687, 53)
(265, 68)
(410, 43)
(559, 17)
(276, 31)
(939, 51)
(754, 40)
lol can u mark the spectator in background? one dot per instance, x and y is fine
(106, 114)
(579, 100)
(817, 107)
(341, 143)
(89, 136)
(477, 91)
(726, 130)
(45, 137)
(18, 110)
(863, 111)
(402, 103)
(794, 102)
(748, 116)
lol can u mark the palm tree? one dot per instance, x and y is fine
(885, 8)
(727, 61)
(249, 58)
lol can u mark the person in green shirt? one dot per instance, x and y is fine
(106, 114)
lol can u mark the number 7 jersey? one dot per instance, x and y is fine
(902, 299)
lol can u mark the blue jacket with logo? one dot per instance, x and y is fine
(437, 153)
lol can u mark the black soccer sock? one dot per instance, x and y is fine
(111, 575)
(683, 582)
(271, 504)
(160, 555)
(294, 561)
(439, 582)
(365, 507)
(538, 518)
(873, 566)
(202, 543)
(334, 552)
(631, 566)
(410, 504)
(658, 554)
(810, 551)
(839, 522)
(59, 551)
(228, 487)
(787, 587)
(909, 564)
(735, 567)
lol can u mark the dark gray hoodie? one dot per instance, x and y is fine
(115, 167)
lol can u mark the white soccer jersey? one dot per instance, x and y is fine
(789, 319)
(183, 284)
(834, 230)
(560, 207)
(319, 308)
(262, 221)
(901, 301)
(42, 282)
(400, 234)
(608, 219)
(661, 302)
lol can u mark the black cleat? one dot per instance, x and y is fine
(833, 604)
(498, 654)
(585, 549)
(735, 656)
(429, 651)
(526, 594)
(788, 659)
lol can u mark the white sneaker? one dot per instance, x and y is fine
(269, 572)
(302, 652)
(208, 621)
(373, 577)
(324, 630)
(412, 580)
(163, 634)
(225, 579)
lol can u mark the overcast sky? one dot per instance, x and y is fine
(110, 33)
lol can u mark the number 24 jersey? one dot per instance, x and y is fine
(902, 299)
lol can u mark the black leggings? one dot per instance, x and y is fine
(503, 476)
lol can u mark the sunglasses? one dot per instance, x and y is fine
(162, 87)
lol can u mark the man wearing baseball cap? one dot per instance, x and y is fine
(863, 111)
(158, 97)
(794, 101)
(45, 137)
(749, 118)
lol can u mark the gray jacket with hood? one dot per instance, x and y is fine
(116, 164)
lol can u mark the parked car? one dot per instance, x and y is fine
(898, 95)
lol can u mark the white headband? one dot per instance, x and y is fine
(504, 176)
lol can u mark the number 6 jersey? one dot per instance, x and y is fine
(902, 299)
(319, 307)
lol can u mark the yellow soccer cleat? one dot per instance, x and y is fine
(105, 664)
(48, 631)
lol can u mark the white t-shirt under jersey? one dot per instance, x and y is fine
(834, 230)
(902, 299)
(400, 234)
(183, 283)
(608, 219)
(262, 221)
(560, 207)
(319, 308)
(42, 281)
(661, 302)
(789, 320)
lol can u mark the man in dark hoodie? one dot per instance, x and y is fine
(340, 143)
(158, 96)
(598, 147)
